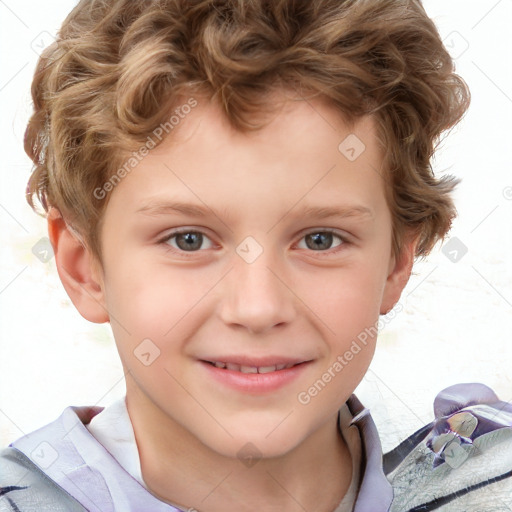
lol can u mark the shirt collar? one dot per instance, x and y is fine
(78, 449)
(375, 491)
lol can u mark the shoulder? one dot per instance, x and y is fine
(32, 469)
(69, 468)
(23, 486)
(460, 461)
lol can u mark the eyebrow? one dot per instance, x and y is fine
(193, 210)
(165, 208)
(341, 212)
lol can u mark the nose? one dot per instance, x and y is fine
(256, 298)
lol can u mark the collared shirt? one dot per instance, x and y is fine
(462, 461)
(113, 429)
(75, 460)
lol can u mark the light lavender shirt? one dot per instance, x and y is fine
(72, 457)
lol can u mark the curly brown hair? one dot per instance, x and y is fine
(118, 68)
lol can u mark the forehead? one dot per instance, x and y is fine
(305, 155)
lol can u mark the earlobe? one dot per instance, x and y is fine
(399, 274)
(78, 270)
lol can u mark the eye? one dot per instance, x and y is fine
(189, 241)
(321, 241)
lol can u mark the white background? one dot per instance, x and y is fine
(457, 317)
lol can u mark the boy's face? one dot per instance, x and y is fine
(265, 282)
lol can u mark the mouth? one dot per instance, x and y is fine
(234, 367)
(254, 376)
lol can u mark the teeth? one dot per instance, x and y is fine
(268, 369)
(249, 369)
(252, 369)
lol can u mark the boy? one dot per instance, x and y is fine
(240, 188)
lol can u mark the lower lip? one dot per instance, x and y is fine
(255, 383)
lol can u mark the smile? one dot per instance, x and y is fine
(250, 369)
(254, 377)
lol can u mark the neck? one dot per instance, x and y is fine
(179, 469)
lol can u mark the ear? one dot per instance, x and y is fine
(399, 272)
(78, 269)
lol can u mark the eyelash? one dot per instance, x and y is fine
(327, 252)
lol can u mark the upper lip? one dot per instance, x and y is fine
(245, 360)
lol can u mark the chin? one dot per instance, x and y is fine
(256, 440)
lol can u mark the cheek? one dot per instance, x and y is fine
(144, 305)
(154, 300)
(347, 299)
